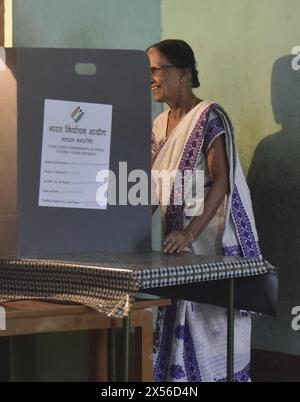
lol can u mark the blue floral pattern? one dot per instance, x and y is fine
(176, 372)
(165, 344)
(247, 240)
(180, 332)
(175, 213)
(214, 128)
(232, 251)
(190, 359)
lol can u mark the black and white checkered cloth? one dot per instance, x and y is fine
(109, 283)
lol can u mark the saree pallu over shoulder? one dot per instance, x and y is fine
(240, 235)
(177, 153)
(164, 147)
(180, 152)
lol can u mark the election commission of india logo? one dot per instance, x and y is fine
(77, 114)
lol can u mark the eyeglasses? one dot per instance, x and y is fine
(155, 70)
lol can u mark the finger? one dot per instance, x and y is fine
(170, 240)
(169, 243)
(174, 247)
(169, 237)
(181, 248)
(169, 246)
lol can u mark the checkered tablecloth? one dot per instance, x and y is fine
(109, 283)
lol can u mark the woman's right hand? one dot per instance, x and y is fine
(177, 240)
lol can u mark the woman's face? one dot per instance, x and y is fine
(165, 82)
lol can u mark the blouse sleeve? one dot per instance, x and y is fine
(214, 129)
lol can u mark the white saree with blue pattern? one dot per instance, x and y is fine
(192, 338)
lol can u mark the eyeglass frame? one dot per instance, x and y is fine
(155, 70)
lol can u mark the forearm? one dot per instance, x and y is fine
(212, 202)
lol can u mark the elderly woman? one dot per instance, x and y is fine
(194, 135)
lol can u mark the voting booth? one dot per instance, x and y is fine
(67, 117)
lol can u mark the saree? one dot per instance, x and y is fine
(192, 337)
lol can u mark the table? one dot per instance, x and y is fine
(109, 283)
(33, 317)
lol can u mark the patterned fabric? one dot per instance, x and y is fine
(176, 372)
(240, 228)
(175, 213)
(214, 129)
(161, 368)
(248, 243)
(239, 222)
(208, 324)
(240, 376)
(233, 250)
(190, 352)
(205, 271)
(107, 291)
(189, 356)
(109, 284)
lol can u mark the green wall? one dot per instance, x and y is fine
(236, 44)
(243, 48)
(122, 24)
(106, 24)
(119, 24)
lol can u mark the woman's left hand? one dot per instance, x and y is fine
(176, 241)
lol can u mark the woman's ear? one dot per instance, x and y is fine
(186, 74)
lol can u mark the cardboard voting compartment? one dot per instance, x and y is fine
(66, 116)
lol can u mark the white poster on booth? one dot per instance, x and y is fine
(76, 146)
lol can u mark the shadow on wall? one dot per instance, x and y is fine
(274, 181)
